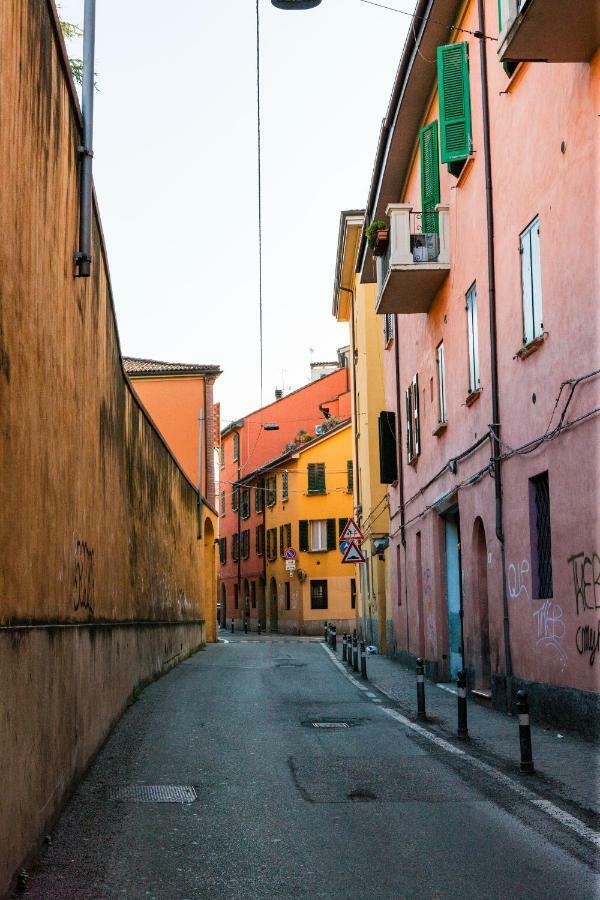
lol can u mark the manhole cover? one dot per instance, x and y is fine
(153, 793)
(361, 796)
(331, 724)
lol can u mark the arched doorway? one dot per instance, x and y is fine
(210, 578)
(223, 616)
(480, 596)
(273, 606)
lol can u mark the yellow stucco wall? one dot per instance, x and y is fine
(334, 450)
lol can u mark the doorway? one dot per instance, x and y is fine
(273, 608)
(454, 592)
(223, 610)
(483, 669)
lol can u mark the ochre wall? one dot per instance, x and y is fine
(101, 574)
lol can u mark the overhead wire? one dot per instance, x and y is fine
(413, 16)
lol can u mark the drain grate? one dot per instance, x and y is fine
(330, 725)
(152, 793)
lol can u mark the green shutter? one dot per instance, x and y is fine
(316, 478)
(321, 477)
(303, 535)
(430, 176)
(312, 479)
(350, 473)
(281, 540)
(341, 525)
(331, 542)
(455, 104)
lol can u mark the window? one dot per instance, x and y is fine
(441, 379)
(222, 503)
(234, 499)
(353, 593)
(388, 328)
(245, 503)
(236, 446)
(258, 498)
(531, 279)
(388, 457)
(430, 177)
(235, 548)
(541, 543)
(303, 535)
(316, 478)
(272, 544)
(271, 490)
(284, 485)
(341, 525)
(245, 543)
(253, 594)
(318, 594)
(258, 539)
(285, 538)
(287, 595)
(223, 550)
(236, 595)
(322, 535)
(222, 455)
(473, 339)
(413, 425)
(455, 103)
(349, 476)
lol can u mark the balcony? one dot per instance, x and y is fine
(549, 30)
(416, 262)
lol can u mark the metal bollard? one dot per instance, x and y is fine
(421, 690)
(325, 632)
(334, 638)
(461, 689)
(349, 651)
(232, 626)
(344, 646)
(355, 654)
(259, 627)
(525, 733)
(363, 659)
(245, 625)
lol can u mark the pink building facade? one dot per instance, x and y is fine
(490, 282)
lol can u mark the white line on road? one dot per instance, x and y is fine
(555, 812)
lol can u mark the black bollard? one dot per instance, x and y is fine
(363, 659)
(349, 651)
(245, 625)
(461, 690)
(421, 690)
(259, 627)
(355, 654)
(334, 638)
(525, 733)
(344, 642)
(325, 632)
(232, 626)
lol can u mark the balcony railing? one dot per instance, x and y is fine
(416, 261)
(541, 30)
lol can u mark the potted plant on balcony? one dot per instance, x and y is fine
(378, 235)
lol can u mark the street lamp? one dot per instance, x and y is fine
(295, 4)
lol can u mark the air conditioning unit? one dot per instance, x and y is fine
(425, 247)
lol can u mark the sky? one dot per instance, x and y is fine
(175, 169)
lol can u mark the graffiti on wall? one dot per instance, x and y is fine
(517, 580)
(585, 569)
(83, 577)
(549, 627)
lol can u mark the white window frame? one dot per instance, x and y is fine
(318, 535)
(441, 380)
(473, 338)
(531, 282)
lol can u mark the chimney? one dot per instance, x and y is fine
(278, 393)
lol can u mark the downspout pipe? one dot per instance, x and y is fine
(497, 469)
(83, 257)
(401, 468)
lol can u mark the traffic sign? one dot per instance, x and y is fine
(290, 553)
(344, 546)
(290, 565)
(353, 554)
(351, 532)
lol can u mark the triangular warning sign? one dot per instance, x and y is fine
(353, 554)
(351, 532)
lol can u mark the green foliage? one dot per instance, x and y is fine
(372, 229)
(70, 31)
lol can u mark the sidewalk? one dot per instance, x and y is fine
(565, 764)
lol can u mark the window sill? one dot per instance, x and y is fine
(515, 78)
(527, 349)
(441, 427)
(318, 551)
(466, 170)
(316, 493)
(472, 396)
(413, 462)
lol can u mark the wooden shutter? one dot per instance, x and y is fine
(455, 103)
(416, 420)
(303, 535)
(430, 176)
(388, 462)
(288, 536)
(341, 526)
(281, 527)
(331, 542)
(321, 478)
(350, 476)
(409, 425)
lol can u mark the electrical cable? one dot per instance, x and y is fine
(413, 16)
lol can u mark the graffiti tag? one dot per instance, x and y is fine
(517, 586)
(587, 640)
(550, 628)
(83, 577)
(586, 581)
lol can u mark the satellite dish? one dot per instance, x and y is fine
(295, 4)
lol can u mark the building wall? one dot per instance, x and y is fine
(531, 176)
(102, 575)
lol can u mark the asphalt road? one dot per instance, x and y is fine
(286, 809)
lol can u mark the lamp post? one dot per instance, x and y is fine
(295, 4)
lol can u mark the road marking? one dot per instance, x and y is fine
(555, 812)
(446, 687)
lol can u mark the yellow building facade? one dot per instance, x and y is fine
(308, 500)
(354, 303)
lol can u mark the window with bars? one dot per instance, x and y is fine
(258, 498)
(284, 485)
(531, 280)
(441, 383)
(413, 422)
(236, 447)
(222, 456)
(316, 478)
(272, 544)
(473, 339)
(388, 328)
(271, 490)
(245, 543)
(349, 476)
(245, 503)
(258, 540)
(223, 502)
(318, 594)
(235, 547)
(541, 538)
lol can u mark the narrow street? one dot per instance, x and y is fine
(284, 808)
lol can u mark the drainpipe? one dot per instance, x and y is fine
(264, 540)
(83, 257)
(239, 527)
(493, 341)
(400, 468)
